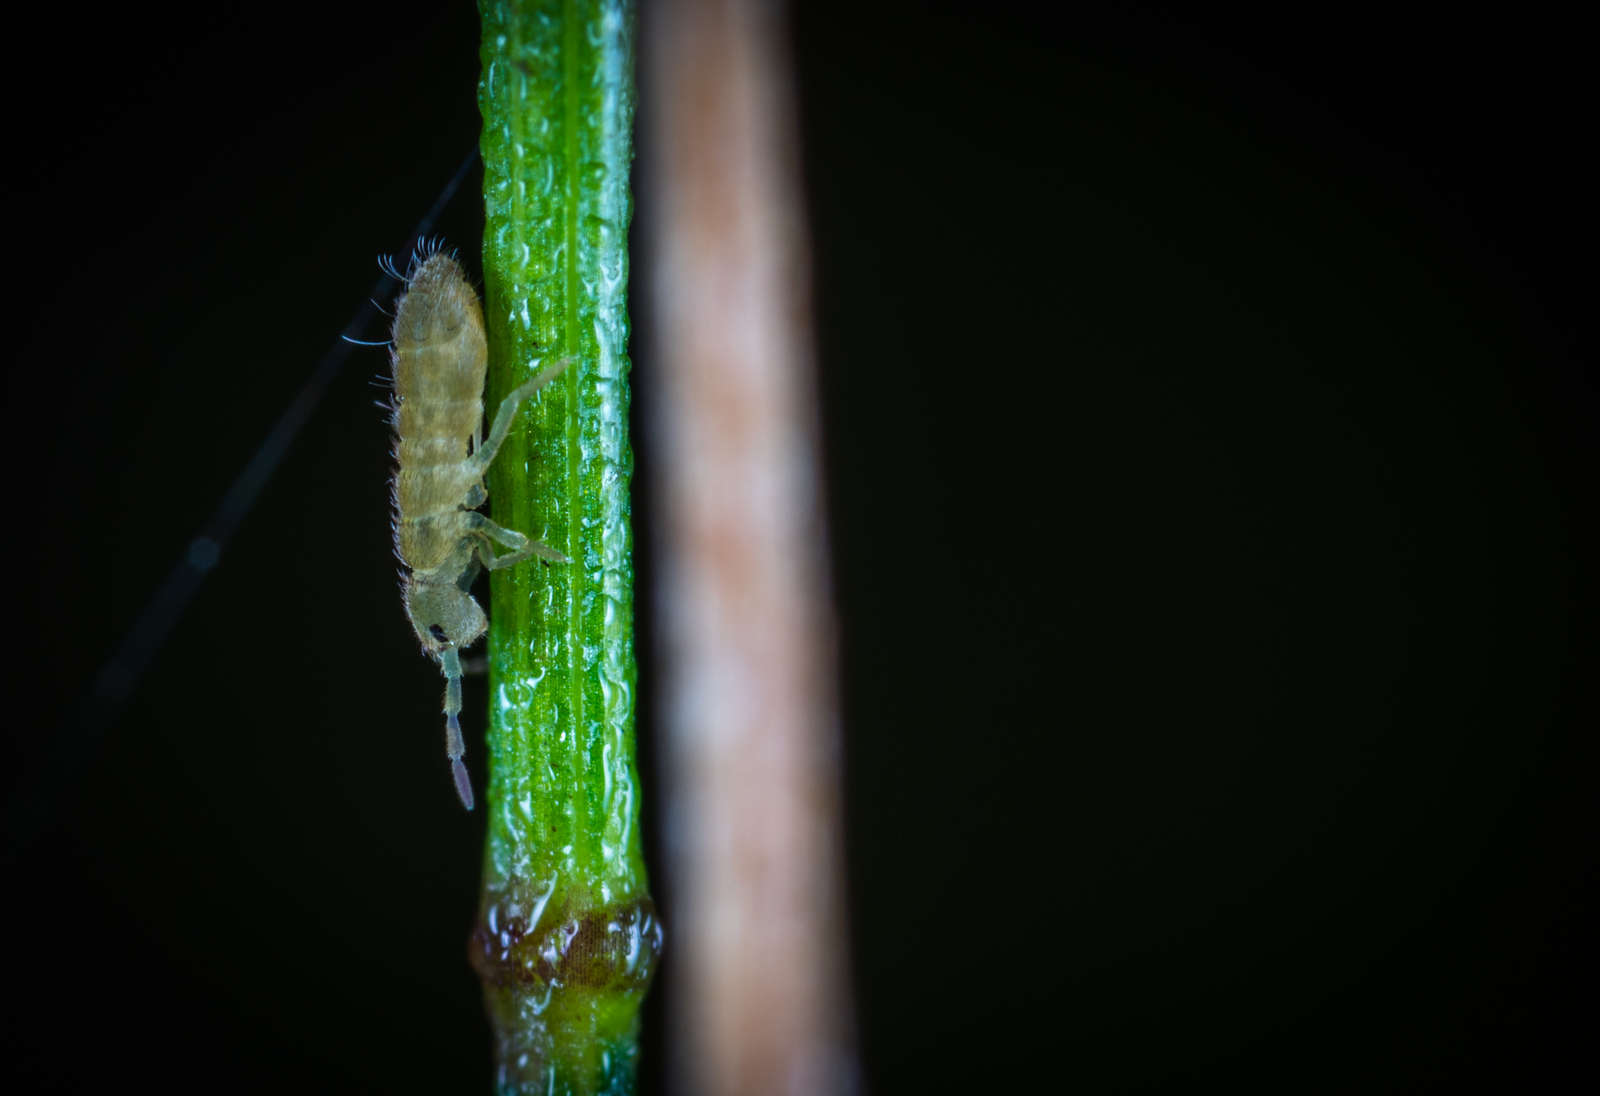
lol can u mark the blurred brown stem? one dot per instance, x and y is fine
(750, 725)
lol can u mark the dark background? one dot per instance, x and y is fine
(1205, 406)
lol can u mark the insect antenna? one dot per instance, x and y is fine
(455, 746)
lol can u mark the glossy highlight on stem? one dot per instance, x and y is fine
(567, 937)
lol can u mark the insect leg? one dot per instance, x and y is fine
(524, 547)
(508, 411)
(454, 745)
(510, 559)
(468, 577)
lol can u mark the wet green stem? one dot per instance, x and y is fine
(567, 938)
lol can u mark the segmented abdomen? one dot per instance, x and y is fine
(440, 362)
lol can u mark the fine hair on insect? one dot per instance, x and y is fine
(440, 363)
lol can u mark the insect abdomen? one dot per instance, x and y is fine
(440, 364)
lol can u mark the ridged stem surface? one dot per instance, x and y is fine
(567, 938)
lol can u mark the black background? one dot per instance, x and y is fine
(1206, 419)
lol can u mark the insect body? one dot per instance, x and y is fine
(440, 363)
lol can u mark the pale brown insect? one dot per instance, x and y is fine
(440, 361)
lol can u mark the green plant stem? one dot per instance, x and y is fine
(567, 938)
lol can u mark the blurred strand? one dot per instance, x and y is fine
(74, 741)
